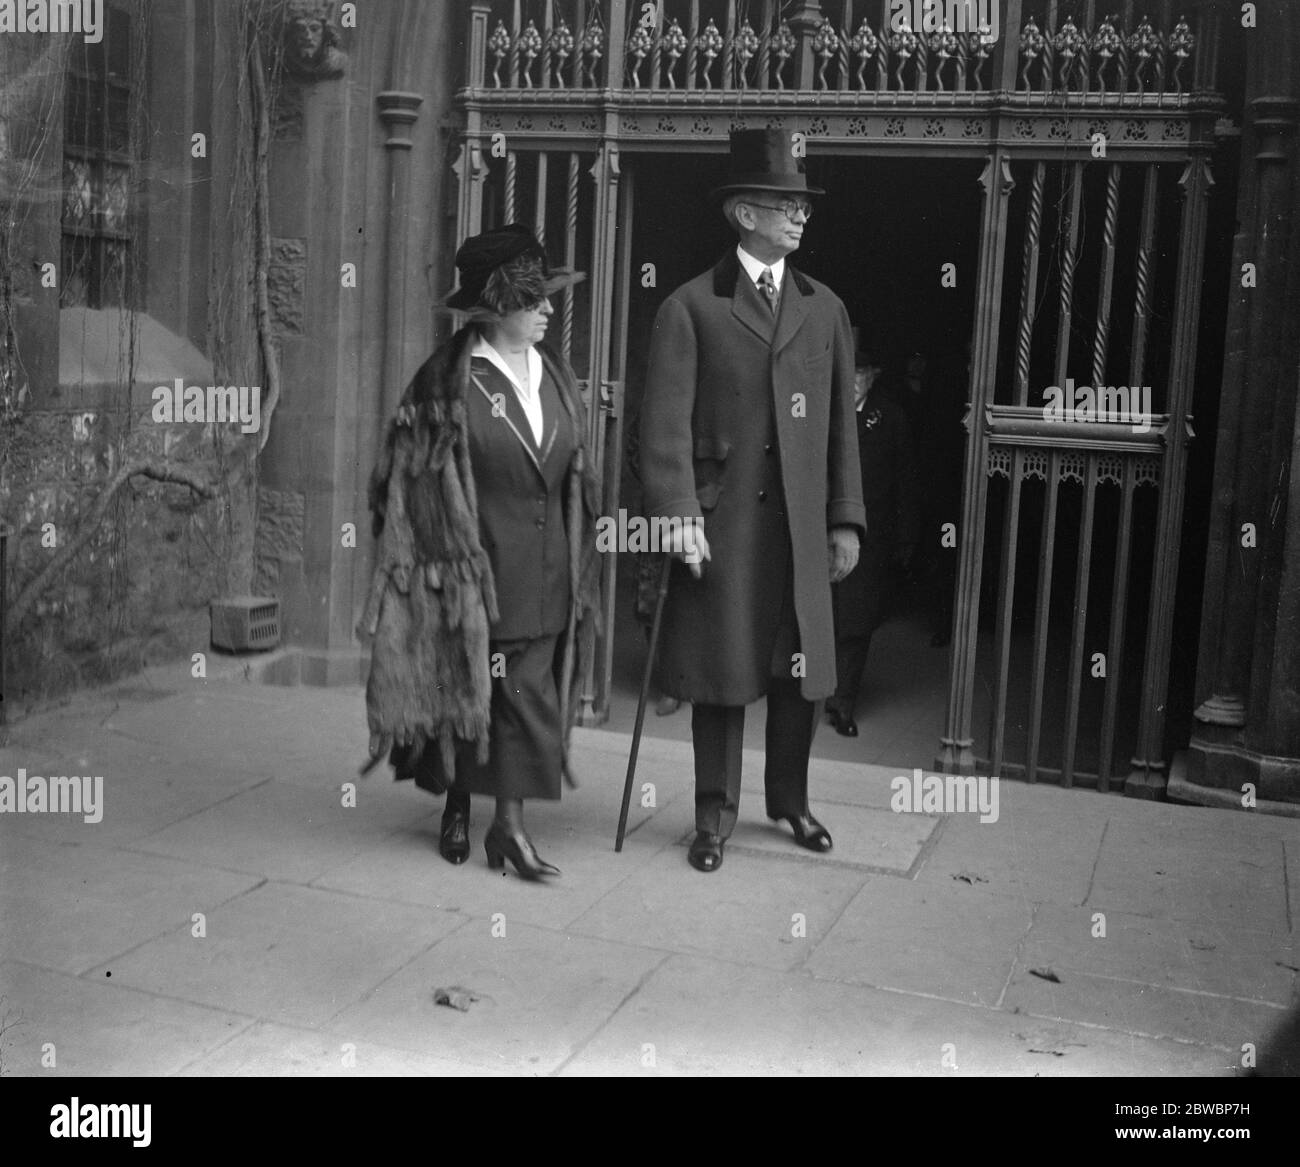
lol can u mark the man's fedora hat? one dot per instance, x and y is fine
(763, 160)
(480, 255)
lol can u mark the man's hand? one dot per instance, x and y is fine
(843, 543)
(688, 543)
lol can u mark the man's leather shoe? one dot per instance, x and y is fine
(454, 843)
(844, 724)
(706, 851)
(808, 832)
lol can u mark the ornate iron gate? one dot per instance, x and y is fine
(566, 88)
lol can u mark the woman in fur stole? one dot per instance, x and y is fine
(485, 594)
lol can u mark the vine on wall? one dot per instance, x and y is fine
(247, 64)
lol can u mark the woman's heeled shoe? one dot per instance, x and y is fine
(519, 849)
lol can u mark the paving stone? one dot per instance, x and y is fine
(1206, 956)
(223, 722)
(144, 788)
(71, 908)
(98, 1028)
(954, 942)
(1126, 1006)
(1037, 856)
(542, 994)
(1206, 863)
(704, 1017)
(285, 953)
(747, 911)
(284, 832)
(268, 1050)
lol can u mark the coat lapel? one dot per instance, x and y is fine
(526, 441)
(793, 309)
(728, 282)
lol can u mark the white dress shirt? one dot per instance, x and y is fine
(530, 395)
(754, 268)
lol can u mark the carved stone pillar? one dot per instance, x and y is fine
(398, 111)
(306, 489)
(357, 200)
(1249, 669)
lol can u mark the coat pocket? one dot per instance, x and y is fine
(816, 359)
(710, 464)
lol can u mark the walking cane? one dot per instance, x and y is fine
(640, 706)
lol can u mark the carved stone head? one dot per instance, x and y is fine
(310, 39)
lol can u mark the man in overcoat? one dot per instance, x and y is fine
(747, 439)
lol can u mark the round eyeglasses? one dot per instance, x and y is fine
(790, 207)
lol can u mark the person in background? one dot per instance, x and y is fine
(890, 493)
(933, 397)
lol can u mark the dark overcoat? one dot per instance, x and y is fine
(749, 426)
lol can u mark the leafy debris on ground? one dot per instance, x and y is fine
(456, 997)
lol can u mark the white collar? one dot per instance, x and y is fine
(484, 349)
(754, 267)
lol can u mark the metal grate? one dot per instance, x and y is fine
(243, 623)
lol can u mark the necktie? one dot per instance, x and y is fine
(768, 284)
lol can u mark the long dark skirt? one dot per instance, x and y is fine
(524, 742)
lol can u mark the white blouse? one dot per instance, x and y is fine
(530, 395)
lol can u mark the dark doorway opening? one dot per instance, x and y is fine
(880, 238)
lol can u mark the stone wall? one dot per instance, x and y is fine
(76, 383)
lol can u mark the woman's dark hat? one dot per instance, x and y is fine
(480, 255)
(764, 160)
